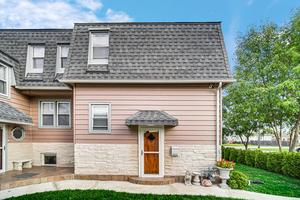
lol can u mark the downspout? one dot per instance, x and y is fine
(219, 107)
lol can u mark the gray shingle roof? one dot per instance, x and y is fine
(12, 115)
(14, 42)
(152, 51)
(151, 117)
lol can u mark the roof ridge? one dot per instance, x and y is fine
(183, 22)
(38, 29)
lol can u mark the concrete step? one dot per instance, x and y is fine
(151, 181)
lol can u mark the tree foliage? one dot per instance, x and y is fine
(268, 78)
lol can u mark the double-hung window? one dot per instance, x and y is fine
(100, 118)
(55, 114)
(62, 56)
(35, 59)
(3, 80)
(99, 47)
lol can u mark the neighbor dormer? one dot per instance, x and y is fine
(35, 58)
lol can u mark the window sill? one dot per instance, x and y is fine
(100, 132)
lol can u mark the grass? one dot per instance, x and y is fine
(107, 195)
(252, 147)
(274, 183)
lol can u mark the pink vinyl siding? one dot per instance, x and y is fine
(48, 134)
(21, 102)
(29, 105)
(193, 106)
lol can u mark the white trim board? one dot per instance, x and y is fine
(4, 148)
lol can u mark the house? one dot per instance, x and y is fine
(118, 99)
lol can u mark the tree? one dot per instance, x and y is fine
(266, 61)
(240, 116)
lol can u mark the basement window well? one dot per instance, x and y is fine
(49, 159)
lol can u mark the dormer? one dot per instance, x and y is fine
(35, 58)
(98, 47)
(61, 57)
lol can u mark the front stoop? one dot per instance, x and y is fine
(152, 181)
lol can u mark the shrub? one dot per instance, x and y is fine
(261, 160)
(223, 151)
(250, 158)
(275, 162)
(233, 154)
(238, 180)
(227, 153)
(291, 165)
(241, 156)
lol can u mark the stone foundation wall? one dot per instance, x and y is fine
(18, 151)
(190, 157)
(106, 159)
(64, 153)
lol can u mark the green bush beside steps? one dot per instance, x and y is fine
(286, 163)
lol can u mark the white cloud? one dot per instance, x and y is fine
(53, 13)
(117, 16)
(90, 4)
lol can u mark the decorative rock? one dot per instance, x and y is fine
(206, 183)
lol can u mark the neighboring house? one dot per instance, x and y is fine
(129, 99)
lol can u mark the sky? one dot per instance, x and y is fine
(236, 15)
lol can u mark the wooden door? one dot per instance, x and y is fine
(151, 152)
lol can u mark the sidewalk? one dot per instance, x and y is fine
(176, 188)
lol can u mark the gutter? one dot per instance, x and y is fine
(219, 108)
(148, 81)
(41, 88)
(15, 122)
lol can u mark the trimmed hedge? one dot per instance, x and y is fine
(283, 163)
(233, 154)
(250, 158)
(261, 160)
(291, 165)
(241, 156)
(275, 162)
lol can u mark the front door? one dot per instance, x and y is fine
(151, 145)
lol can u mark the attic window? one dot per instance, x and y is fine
(99, 47)
(35, 59)
(62, 56)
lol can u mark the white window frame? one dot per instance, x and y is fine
(42, 113)
(57, 113)
(55, 123)
(92, 61)
(6, 81)
(59, 69)
(29, 61)
(91, 121)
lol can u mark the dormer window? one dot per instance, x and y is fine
(62, 56)
(99, 47)
(3, 80)
(35, 59)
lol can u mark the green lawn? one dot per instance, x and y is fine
(273, 183)
(252, 147)
(107, 195)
